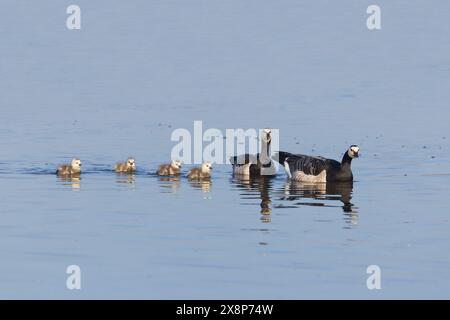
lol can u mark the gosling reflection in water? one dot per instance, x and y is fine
(261, 186)
(125, 178)
(204, 185)
(169, 184)
(71, 180)
(341, 191)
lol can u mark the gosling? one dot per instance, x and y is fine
(128, 166)
(171, 169)
(74, 168)
(204, 172)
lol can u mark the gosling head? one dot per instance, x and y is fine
(206, 167)
(176, 164)
(266, 135)
(131, 164)
(353, 151)
(76, 165)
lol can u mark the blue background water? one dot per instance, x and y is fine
(135, 72)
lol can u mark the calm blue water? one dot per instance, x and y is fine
(134, 73)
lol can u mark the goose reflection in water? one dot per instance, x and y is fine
(71, 180)
(258, 188)
(338, 191)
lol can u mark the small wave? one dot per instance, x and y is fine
(37, 171)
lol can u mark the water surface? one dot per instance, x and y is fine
(134, 73)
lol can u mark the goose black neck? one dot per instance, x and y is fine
(346, 159)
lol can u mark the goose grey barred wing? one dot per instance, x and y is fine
(307, 164)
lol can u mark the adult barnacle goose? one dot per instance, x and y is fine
(318, 169)
(251, 165)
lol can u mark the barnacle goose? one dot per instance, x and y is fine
(251, 165)
(318, 169)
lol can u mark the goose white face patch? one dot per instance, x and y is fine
(267, 135)
(353, 151)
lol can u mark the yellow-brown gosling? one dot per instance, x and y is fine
(128, 166)
(204, 172)
(74, 168)
(171, 169)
